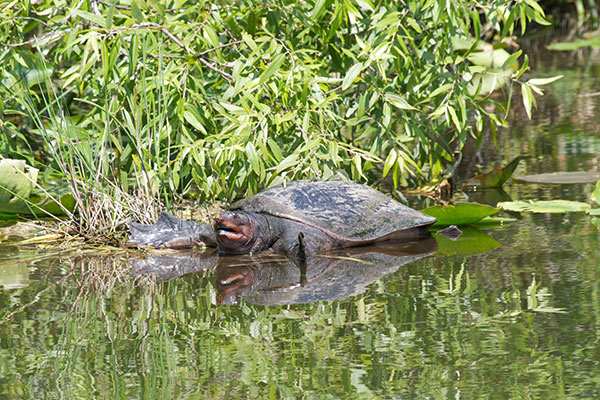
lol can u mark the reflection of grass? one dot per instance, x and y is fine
(96, 331)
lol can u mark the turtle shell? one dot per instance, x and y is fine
(347, 210)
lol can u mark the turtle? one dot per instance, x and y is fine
(301, 218)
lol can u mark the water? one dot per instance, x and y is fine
(513, 313)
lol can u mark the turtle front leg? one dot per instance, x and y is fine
(171, 232)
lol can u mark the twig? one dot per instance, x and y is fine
(49, 34)
(202, 59)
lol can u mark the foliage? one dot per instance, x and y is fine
(231, 97)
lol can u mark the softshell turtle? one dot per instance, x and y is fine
(270, 279)
(299, 219)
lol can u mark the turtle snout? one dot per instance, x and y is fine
(233, 231)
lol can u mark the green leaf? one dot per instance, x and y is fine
(274, 67)
(351, 75)
(459, 214)
(496, 177)
(389, 162)
(543, 81)
(191, 116)
(17, 180)
(398, 101)
(18, 194)
(253, 157)
(287, 162)
(137, 13)
(511, 62)
(318, 9)
(93, 18)
(528, 99)
(544, 206)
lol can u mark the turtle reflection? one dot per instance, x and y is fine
(270, 279)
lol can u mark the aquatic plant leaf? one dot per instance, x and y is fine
(470, 242)
(17, 180)
(496, 177)
(544, 206)
(460, 214)
(560, 177)
(19, 196)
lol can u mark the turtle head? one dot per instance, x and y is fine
(237, 232)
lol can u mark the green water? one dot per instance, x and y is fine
(513, 314)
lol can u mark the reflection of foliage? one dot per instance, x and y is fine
(432, 329)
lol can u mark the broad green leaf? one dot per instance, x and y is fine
(528, 100)
(544, 206)
(511, 62)
(18, 194)
(271, 69)
(253, 157)
(137, 13)
(593, 211)
(351, 75)
(287, 162)
(192, 118)
(318, 9)
(544, 81)
(389, 162)
(398, 101)
(496, 177)
(459, 214)
(91, 17)
(17, 180)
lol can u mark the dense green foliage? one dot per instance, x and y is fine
(230, 97)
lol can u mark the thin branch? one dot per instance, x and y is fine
(202, 59)
(49, 34)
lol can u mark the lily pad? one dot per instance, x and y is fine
(470, 242)
(459, 214)
(561, 177)
(545, 206)
(496, 177)
(18, 194)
